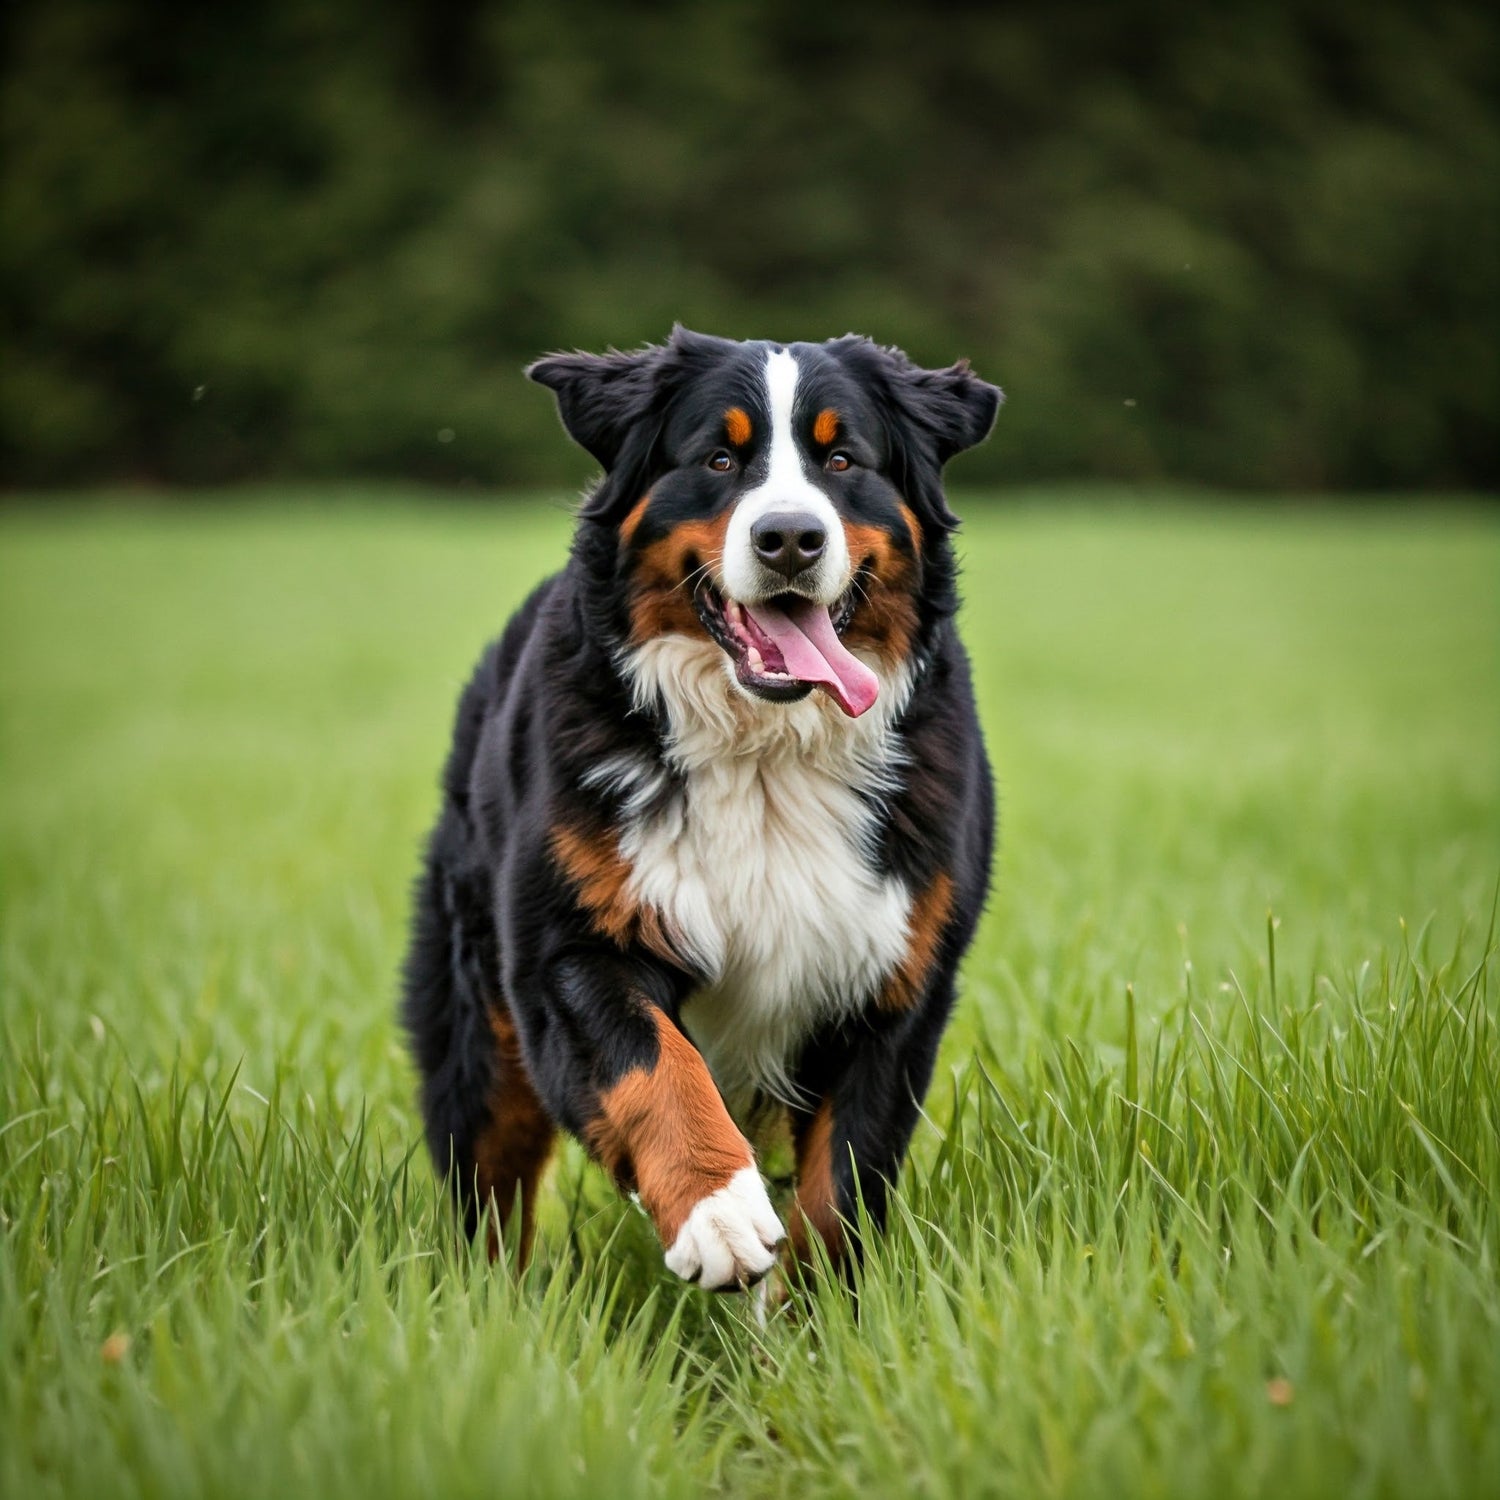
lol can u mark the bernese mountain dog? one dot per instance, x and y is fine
(717, 818)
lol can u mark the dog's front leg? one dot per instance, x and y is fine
(663, 1129)
(654, 1119)
(864, 1088)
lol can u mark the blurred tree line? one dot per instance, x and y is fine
(1246, 244)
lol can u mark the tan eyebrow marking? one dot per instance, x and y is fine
(826, 428)
(737, 425)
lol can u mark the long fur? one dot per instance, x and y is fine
(668, 886)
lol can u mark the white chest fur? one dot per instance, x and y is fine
(759, 865)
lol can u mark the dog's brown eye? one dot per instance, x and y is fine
(721, 462)
(838, 462)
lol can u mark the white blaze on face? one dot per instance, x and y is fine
(785, 487)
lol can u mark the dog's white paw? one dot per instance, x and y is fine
(730, 1237)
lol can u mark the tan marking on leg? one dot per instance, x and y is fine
(815, 1212)
(601, 876)
(826, 427)
(666, 573)
(929, 915)
(737, 426)
(665, 1132)
(512, 1150)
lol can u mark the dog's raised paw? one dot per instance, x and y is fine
(730, 1237)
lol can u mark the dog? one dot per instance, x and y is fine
(717, 820)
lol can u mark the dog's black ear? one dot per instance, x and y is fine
(609, 404)
(600, 397)
(614, 406)
(930, 415)
(955, 407)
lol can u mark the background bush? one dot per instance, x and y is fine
(1241, 244)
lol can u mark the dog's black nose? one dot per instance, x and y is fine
(788, 541)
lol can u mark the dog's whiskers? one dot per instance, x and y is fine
(693, 577)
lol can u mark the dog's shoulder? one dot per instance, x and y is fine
(491, 682)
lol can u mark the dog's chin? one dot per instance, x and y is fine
(759, 666)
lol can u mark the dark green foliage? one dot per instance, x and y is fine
(1242, 244)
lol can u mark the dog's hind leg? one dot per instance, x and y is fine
(486, 1128)
(511, 1150)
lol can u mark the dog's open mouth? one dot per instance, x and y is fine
(785, 646)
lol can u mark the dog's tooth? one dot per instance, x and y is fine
(753, 656)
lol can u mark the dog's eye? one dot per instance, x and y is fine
(839, 461)
(721, 461)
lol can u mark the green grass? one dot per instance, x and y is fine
(1206, 1202)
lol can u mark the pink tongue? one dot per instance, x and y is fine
(812, 651)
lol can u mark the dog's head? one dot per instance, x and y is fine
(783, 501)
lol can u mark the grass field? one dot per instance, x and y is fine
(1207, 1198)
